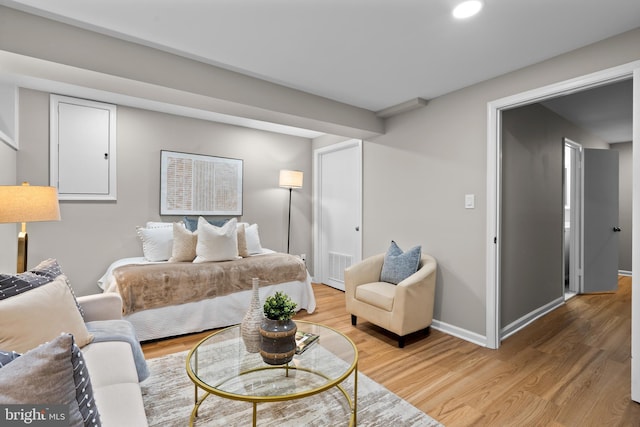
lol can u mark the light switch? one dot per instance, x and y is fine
(469, 201)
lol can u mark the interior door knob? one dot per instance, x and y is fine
(617, 229)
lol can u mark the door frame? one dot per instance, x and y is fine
(575, 218)
(494, 137)
(317, 202)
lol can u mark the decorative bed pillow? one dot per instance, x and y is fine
(216, 243)
(242, 241)
(7, 356)
(158, 224)
(184, 244)
(399, 265)
(253, 239)
(192, 223)
(40, 315)
(55, 374)
(157, 242)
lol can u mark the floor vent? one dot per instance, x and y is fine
(337, 264)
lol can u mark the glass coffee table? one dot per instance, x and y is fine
(221, 365)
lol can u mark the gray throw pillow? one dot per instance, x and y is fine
(399, 265)
(53, 373)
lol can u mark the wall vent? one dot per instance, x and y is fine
(337, 264)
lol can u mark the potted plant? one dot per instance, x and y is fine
(278, 331)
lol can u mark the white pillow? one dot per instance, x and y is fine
(39, 315)
(184, 244)
(216, 243)
(253, 239)
(156, 224)
(156, 242)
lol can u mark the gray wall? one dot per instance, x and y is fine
(8, 232)
(625, 151)
(93, 234)
(533, 208)
(417, 173)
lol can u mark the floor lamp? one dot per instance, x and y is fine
(290, 179)
(25, 203)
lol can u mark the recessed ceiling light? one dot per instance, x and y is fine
(467, 9)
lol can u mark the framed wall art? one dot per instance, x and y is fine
(197, 184)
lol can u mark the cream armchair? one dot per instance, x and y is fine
(403, 308)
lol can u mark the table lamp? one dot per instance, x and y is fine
(25, 203)
(290, 179)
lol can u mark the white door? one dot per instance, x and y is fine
(338, 211)
(600, 220)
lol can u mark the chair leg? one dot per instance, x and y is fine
(354, 319)
(401, 342)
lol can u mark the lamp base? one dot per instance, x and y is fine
(23, 243)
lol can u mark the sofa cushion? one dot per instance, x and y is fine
(40, 315)
(377, 294)
(110, 362)
(399, 265)
(216, 243)
(52, 373)
(121, 405)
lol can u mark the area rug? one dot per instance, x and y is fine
(169, 394)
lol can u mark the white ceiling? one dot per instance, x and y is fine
(372, 54)
(368, 53)
(606, 111)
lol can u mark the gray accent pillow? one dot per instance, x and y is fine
(53, 373)
(192, 223)
(7, 356)
(399, 265)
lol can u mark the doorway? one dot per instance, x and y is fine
(338, 211)
(494, 136)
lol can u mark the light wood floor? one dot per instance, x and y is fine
(570, 368)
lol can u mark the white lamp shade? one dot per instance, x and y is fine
(291, 179)
(26, 203)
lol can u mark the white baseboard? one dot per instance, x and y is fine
(458, 332)
(625, 273)
(514, 327)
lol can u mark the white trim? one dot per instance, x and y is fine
(458, 332)
(625, 273)
(527, 319)
(317, 211)
(635, 239)
(493, 154)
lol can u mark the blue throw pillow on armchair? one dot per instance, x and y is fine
(399, 265)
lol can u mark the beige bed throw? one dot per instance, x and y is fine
(145, 286)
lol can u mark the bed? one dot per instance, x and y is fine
(143, 284)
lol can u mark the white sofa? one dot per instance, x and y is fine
(112, 368)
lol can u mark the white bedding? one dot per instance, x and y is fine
(206, 314)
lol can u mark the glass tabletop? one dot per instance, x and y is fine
(220, 364)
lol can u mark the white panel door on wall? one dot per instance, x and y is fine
(83, 148)
(338, 188)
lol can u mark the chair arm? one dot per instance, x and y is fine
(415, 295)
(107, 306)
(366, 271)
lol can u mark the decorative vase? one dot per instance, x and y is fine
(278, 341)
(250, 326)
